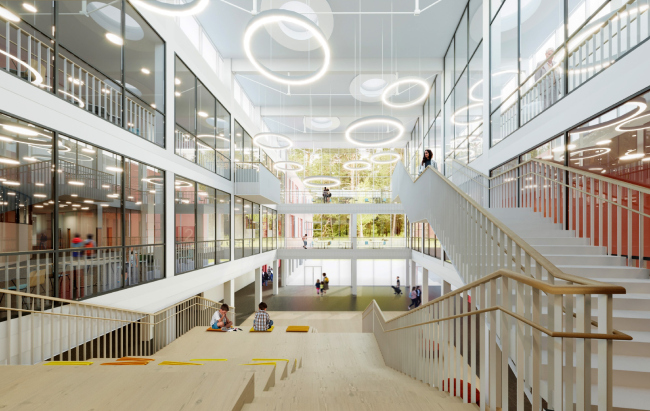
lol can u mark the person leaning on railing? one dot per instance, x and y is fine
(548, 86)
(427, 160)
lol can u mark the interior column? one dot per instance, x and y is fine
(276, 278)
(353, 276)
(258, 286)
(425, 285)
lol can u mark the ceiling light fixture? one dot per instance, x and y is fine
(603, 142)
(38, 79)
(7, 15)
(11, 183)
(395, 157)
(365, 165)
(289, 17)
(7, 160)
(117, 169)
(466, 108)
(202, 114)
(633, 156)
(331, 181)
(386, 120)
(640, 104)
(394, 86)
(597, 153)
(287, 166)
(115, 39)
(30, 8)
(76, 183)
(621, 127)
(145, 70)
(478, 83)
(173, 10)
(20, 130)
(177, 94)
(258, 137)
(154, 180)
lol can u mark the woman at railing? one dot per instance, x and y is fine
(548, 88)
(427, 160)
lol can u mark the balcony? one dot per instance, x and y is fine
(256, 183)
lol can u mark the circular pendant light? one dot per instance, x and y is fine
(395, 157)
(286, 166)
(291, 18)
(640, 104)
(332, 181)
(261, 136)
(38, 79)
(622, 128)
(361, 165)
(374, 120)
(170, 9)
(414, 82)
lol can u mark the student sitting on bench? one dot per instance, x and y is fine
(220, 319)
(262, 321)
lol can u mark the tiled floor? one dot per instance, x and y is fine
(304, 298)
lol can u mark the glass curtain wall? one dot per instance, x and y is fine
(416, 236)
(247, 228)
(463, 96)
(269, 229)
(380, 230)
(202, 231)
(541, 51)
(432, 245)
(114, 72)
(202, 132)
(248, 155)
(94, 225)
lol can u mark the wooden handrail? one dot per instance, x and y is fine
(549, 289)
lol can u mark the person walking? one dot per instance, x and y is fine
(397, 288)
(304, 241)
(265, 278)
(326, 283)
(427, 160)
(318, 286)
(414, 298)
(418, 292)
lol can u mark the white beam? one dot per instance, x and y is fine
(426, 66)
(367, 109)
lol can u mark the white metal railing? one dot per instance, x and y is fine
(23, 53)
(610, 213)
(593, 47)
(39, 328)
(479, 244)
(470, 181)
(336, 197)
(453, 342)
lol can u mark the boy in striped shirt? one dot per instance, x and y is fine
(262, 321)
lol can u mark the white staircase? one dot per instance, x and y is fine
(631, 311)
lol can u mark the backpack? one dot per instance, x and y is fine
(413, 295)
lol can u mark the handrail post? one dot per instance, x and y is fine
(605, 353)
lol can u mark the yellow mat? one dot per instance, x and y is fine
(267, 331)
(177, 363)
(209, 359)
(260, 363)
(270, 359)
(68, 363)
(298, 329)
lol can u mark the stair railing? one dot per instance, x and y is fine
(37, 328)
(610, 213)
(479, 244)
(450, 343)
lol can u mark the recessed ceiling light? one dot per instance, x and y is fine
(88, 201)
(117, 169)
(145, 70)
(105, 186)
(177, 94)
(152, 191)
(20, 130)
(39, 195)
(38, 206)
(202, 114)
(87, 150)
(85, 208)
(30, 8)
(11, 183)
(104, 205)
(603, 142)
(30, 159)
(6, 160)
(7, 15)
(138, 203)
(633, 156)
(76, 183)
(11, 194)
(595, 168)
(74, 195)
(115, 39)
(177, 81)
(153, 105)
(113, 195)
(39, 184)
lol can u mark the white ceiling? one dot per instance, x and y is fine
(373, 44)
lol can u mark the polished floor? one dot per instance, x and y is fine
(304, 298)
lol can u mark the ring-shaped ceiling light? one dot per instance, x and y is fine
(365, 165)
(169, 9)
(260, 136)
(475, 86)
(285, 166)
(38, 79)
(204, 136)
(640, 104)
(183, 184)
(621, 127)
(392, 88)
(598, 152)
(465, 108)
(289, 17)
(395, 157)
(157, 181)
(365, 121)
(333, 181)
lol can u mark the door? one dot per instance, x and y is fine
(313, 273)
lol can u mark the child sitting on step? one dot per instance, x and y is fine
(220, 319)
(262, 321)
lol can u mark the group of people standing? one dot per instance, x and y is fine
(416, 297)
(322, 286)
(326, 195)
(267, 276)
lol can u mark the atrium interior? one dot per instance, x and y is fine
(433, 204)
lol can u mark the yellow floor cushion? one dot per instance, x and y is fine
(217, 330)
(267, 331)
(298, 329)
